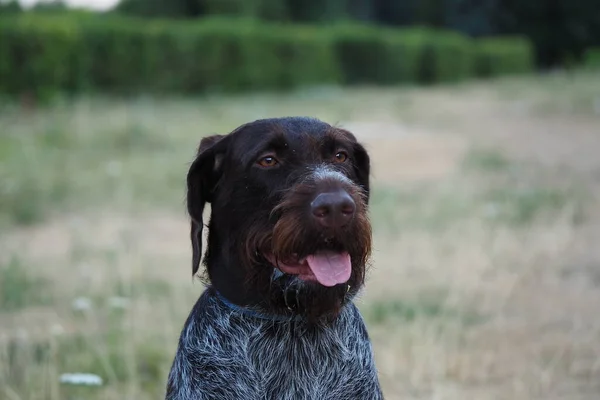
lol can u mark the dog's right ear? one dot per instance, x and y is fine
(202, 179)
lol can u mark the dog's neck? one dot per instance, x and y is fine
(232, 291)
(254, 312)
(225, 276)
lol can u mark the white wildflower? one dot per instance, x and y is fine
(491, 210)
(114, 168)
(81, 379)
(82, 304)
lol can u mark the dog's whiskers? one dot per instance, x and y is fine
(297, 297)
(285, 296)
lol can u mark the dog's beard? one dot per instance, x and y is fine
(310, 299)
(290, 240)
(288, 293)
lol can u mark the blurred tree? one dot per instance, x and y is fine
(559, 29)
(581, 28)
(274, 10)
(318, 10)
(162, 8)
(473, 17)
(430, 13)
(49, 6)
(395, 12)
(9, 7)
(362, 10)
(265, 9)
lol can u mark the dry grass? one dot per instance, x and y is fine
(486, 274)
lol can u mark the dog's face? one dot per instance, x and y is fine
(289, 227)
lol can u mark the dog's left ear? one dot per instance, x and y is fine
(362, 168)
(202, 179)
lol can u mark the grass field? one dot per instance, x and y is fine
(486, 272)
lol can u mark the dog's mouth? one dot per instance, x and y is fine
(327, 267)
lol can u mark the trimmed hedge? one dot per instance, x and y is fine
(591, 58)
(74, 53)
(368, 55)
(35, 56)
(502, 56)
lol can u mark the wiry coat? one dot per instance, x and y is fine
(226, 353)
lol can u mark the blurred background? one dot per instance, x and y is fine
(482, 119)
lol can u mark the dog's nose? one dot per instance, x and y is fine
(333, 209)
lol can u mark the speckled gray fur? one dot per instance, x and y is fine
(228, 355)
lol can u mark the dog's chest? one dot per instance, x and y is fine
(260, 359)
(320, 363)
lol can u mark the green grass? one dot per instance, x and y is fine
(489, 185)
(153, 289)
(486, 160)
(560, 93)
(429, 207)
(112, 355)
(412, 310)
(523, 206)
(519, 193)
(95, 153)
(592, 58)
(20, 287)
(438, 207)
(34, 177)
(59, 167)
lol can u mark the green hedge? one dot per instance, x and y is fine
(503, 56)
(591, 58)
(74, 53)
(35, 56)
(388, 56)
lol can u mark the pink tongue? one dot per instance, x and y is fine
(330, 268)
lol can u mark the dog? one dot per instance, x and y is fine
(289, 242)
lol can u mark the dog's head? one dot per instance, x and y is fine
(289, 229)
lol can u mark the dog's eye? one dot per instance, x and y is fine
(341, 157)
(268, 161)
